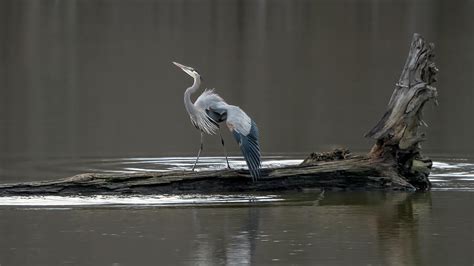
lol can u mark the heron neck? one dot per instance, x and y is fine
(187, 94)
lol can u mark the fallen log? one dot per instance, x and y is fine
(394, 162)
(355, 173)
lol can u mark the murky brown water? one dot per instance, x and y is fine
(89, 86)
(306, 228)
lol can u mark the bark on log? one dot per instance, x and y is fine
(354, 173)
(394, 163)
(398, 134)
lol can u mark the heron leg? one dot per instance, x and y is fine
(225, 152)
(199, 152)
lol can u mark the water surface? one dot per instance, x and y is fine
(330, 228)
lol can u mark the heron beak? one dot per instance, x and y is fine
(179, 65)
(184, 68)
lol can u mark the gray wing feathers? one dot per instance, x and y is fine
(245, 130)
(208, 99)
(202, 119)
(217, 115)
(250, 149)
(238, 120)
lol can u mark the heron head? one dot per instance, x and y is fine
(189, 70)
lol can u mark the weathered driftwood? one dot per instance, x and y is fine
(394, 163)
(398, 133)
(356, 173)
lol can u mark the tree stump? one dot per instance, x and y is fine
(394, 162)
(398, 135)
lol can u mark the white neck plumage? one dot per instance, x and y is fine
(187, 94)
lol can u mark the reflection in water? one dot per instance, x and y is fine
(302, 228)
(233, 243)
(136, 200)
(393, 219)
(297, 228)
(398, 228)
(395, 222)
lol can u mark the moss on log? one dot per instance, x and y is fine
(394, 163)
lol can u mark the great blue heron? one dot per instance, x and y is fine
(210, 109)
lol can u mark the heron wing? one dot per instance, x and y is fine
(203, 119)
(208, 99)
(250, 150)
(217, 115)
(245, 132)
(244, 129)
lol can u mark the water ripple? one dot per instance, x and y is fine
(452, 175)
(161, 200)
(447, 173)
